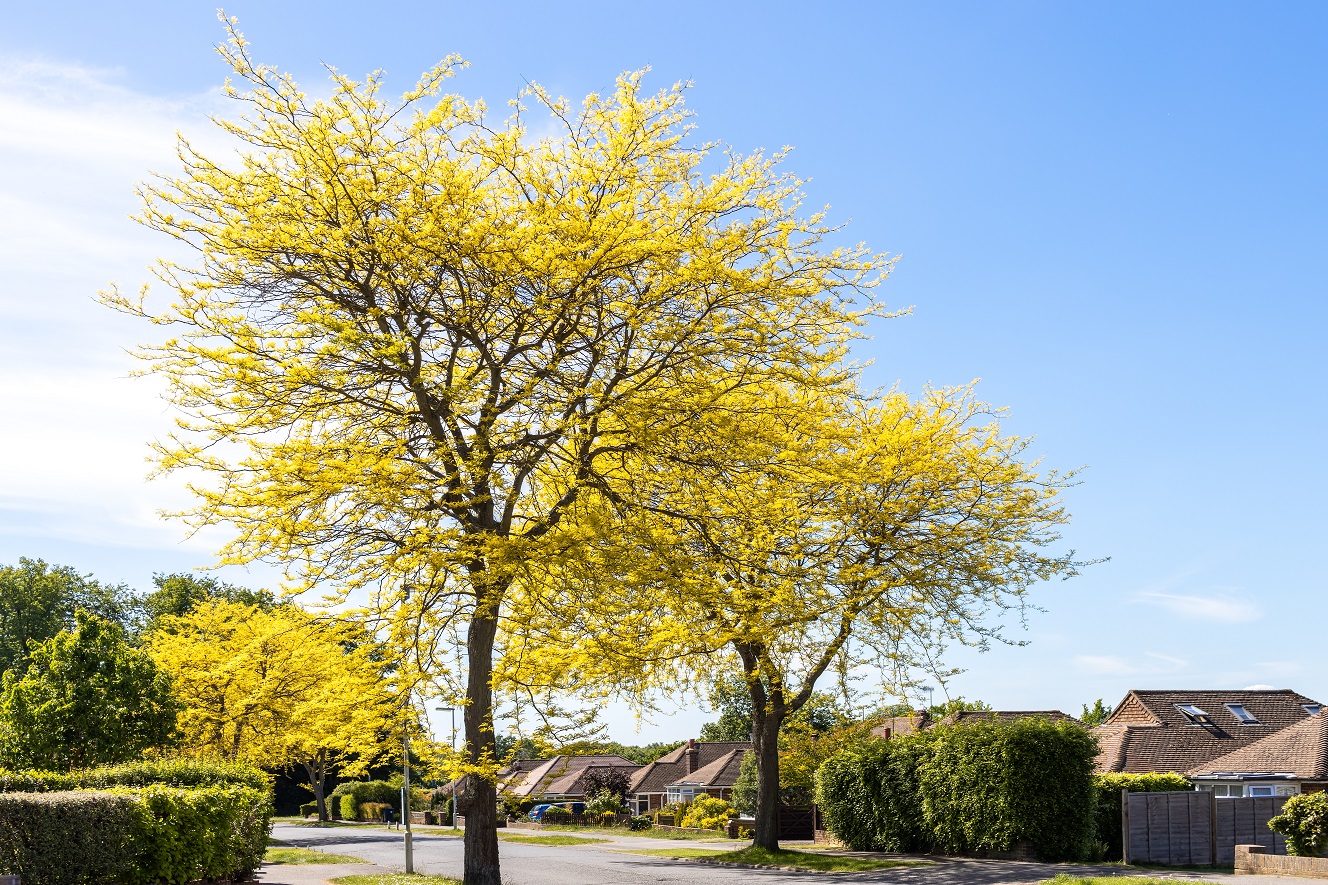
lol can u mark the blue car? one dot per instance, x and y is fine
(537, 813)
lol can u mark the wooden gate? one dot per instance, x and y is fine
(1195, 828)
(797, 823)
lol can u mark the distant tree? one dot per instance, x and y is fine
(88, 698)
(641, 755)
(957, 705)
(1095, 715)
(613, 781)
(180, 593)
(37, 601)
(732, 700)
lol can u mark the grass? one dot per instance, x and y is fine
(396, 879)
(556, 839)
(1065, 879)
(649, 834)
(798, 860)
(290, 854)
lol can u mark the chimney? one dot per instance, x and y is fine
(691, 755)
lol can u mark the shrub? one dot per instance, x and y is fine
(601, 779)
(708, 813)
(359, 792)
(165, 772)
(556, 815)
(1304, 823)
(640, 822)
(134, 836)
(967, 788)
(515, 806)
(372, 811)
(349, 809)
(308, 809)
(604, 803)
(1108, 788)
(868, 797)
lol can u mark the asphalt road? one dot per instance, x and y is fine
(607, 864)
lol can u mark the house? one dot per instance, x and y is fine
(692, 769)
(561, 778)
(1289, 761)
(1181, 731)
(920, 720)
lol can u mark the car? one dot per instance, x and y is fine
(537, 813)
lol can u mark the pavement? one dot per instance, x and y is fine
(607, 864)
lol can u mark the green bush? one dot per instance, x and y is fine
(1304, 824)
(967, 789)
(640, 822)
(868, 796)
(556, 815)
(372, 811)
(1108, 788)
(165, 772)
(141, 836)
(308, 809)
(359, 792)
(708, 813)
(604, 803)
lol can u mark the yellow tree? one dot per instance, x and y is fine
(412, 338)
(806, 533)
(278, 689)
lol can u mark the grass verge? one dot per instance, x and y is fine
(1065, 879)
(395, 879)
(555, 839)
(291, 854)
(797, 860)
(649, 834)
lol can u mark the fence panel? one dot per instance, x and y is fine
(1245, 822)
(1187, 828)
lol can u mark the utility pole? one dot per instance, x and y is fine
(405, 794)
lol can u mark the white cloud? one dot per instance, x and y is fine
(1148, 663)
(1225, 608)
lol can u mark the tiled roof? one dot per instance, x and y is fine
(1148, 732)
(1300, 750)
(655, 777)
(573, 783)
(538, 781)
(964, 717)
(723, 772)
(899, 726)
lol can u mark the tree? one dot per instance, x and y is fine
(178, 594)
(818, 532)
(412, 339)
(87, 699)
(612, 781)
(730, 697)
(278, 688)
(1095, 715)
(37, 601)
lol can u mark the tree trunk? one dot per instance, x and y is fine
(481, 838)
(765, 738)
(318, 780)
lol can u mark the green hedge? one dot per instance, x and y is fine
(153, 834)
(352, 794)
(166, 772)
(966, 789)
(1109, 786)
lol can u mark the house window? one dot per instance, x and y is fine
(1261, 791)
(1224, 791)
(1312, 709)
(681, 794)
(1193, 713)
(1245, 716)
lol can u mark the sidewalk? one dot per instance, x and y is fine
(312, 873)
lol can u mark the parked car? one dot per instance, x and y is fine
(537, 813)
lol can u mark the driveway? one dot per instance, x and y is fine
(607, 864)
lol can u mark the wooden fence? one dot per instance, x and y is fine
(1194, 828)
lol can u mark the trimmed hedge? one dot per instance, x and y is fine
(1109, 786)
(165, 772)
(142, 836)
(967, 789)
(350, 795)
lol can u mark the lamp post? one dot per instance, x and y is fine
(405, 794)
(452, 745)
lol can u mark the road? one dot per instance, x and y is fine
(607, 864)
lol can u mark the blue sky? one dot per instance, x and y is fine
(1113, 214)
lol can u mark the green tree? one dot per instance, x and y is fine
(1096, 714)
(38, 600)
(88, 698)
(180, 593)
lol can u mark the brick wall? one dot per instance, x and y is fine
(1251, 860)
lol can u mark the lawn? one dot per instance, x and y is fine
(1065, 879)
(281, 853)
(649, 834)
(555, 839)
(798, 860)
(396, 879)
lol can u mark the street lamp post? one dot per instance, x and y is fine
(452, 745)
(405, 796)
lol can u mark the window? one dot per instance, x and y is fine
(1228, 791)
(1312, 709)
(1193, 713)
(681, 794)
(1261, 791)
(1245, 716)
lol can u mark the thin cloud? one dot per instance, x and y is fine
(1224, 609)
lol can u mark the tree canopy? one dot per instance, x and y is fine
(412, 337)
(87, 699)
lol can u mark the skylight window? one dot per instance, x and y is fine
(1245, 716)
(1312, 709)
(1193, 713)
